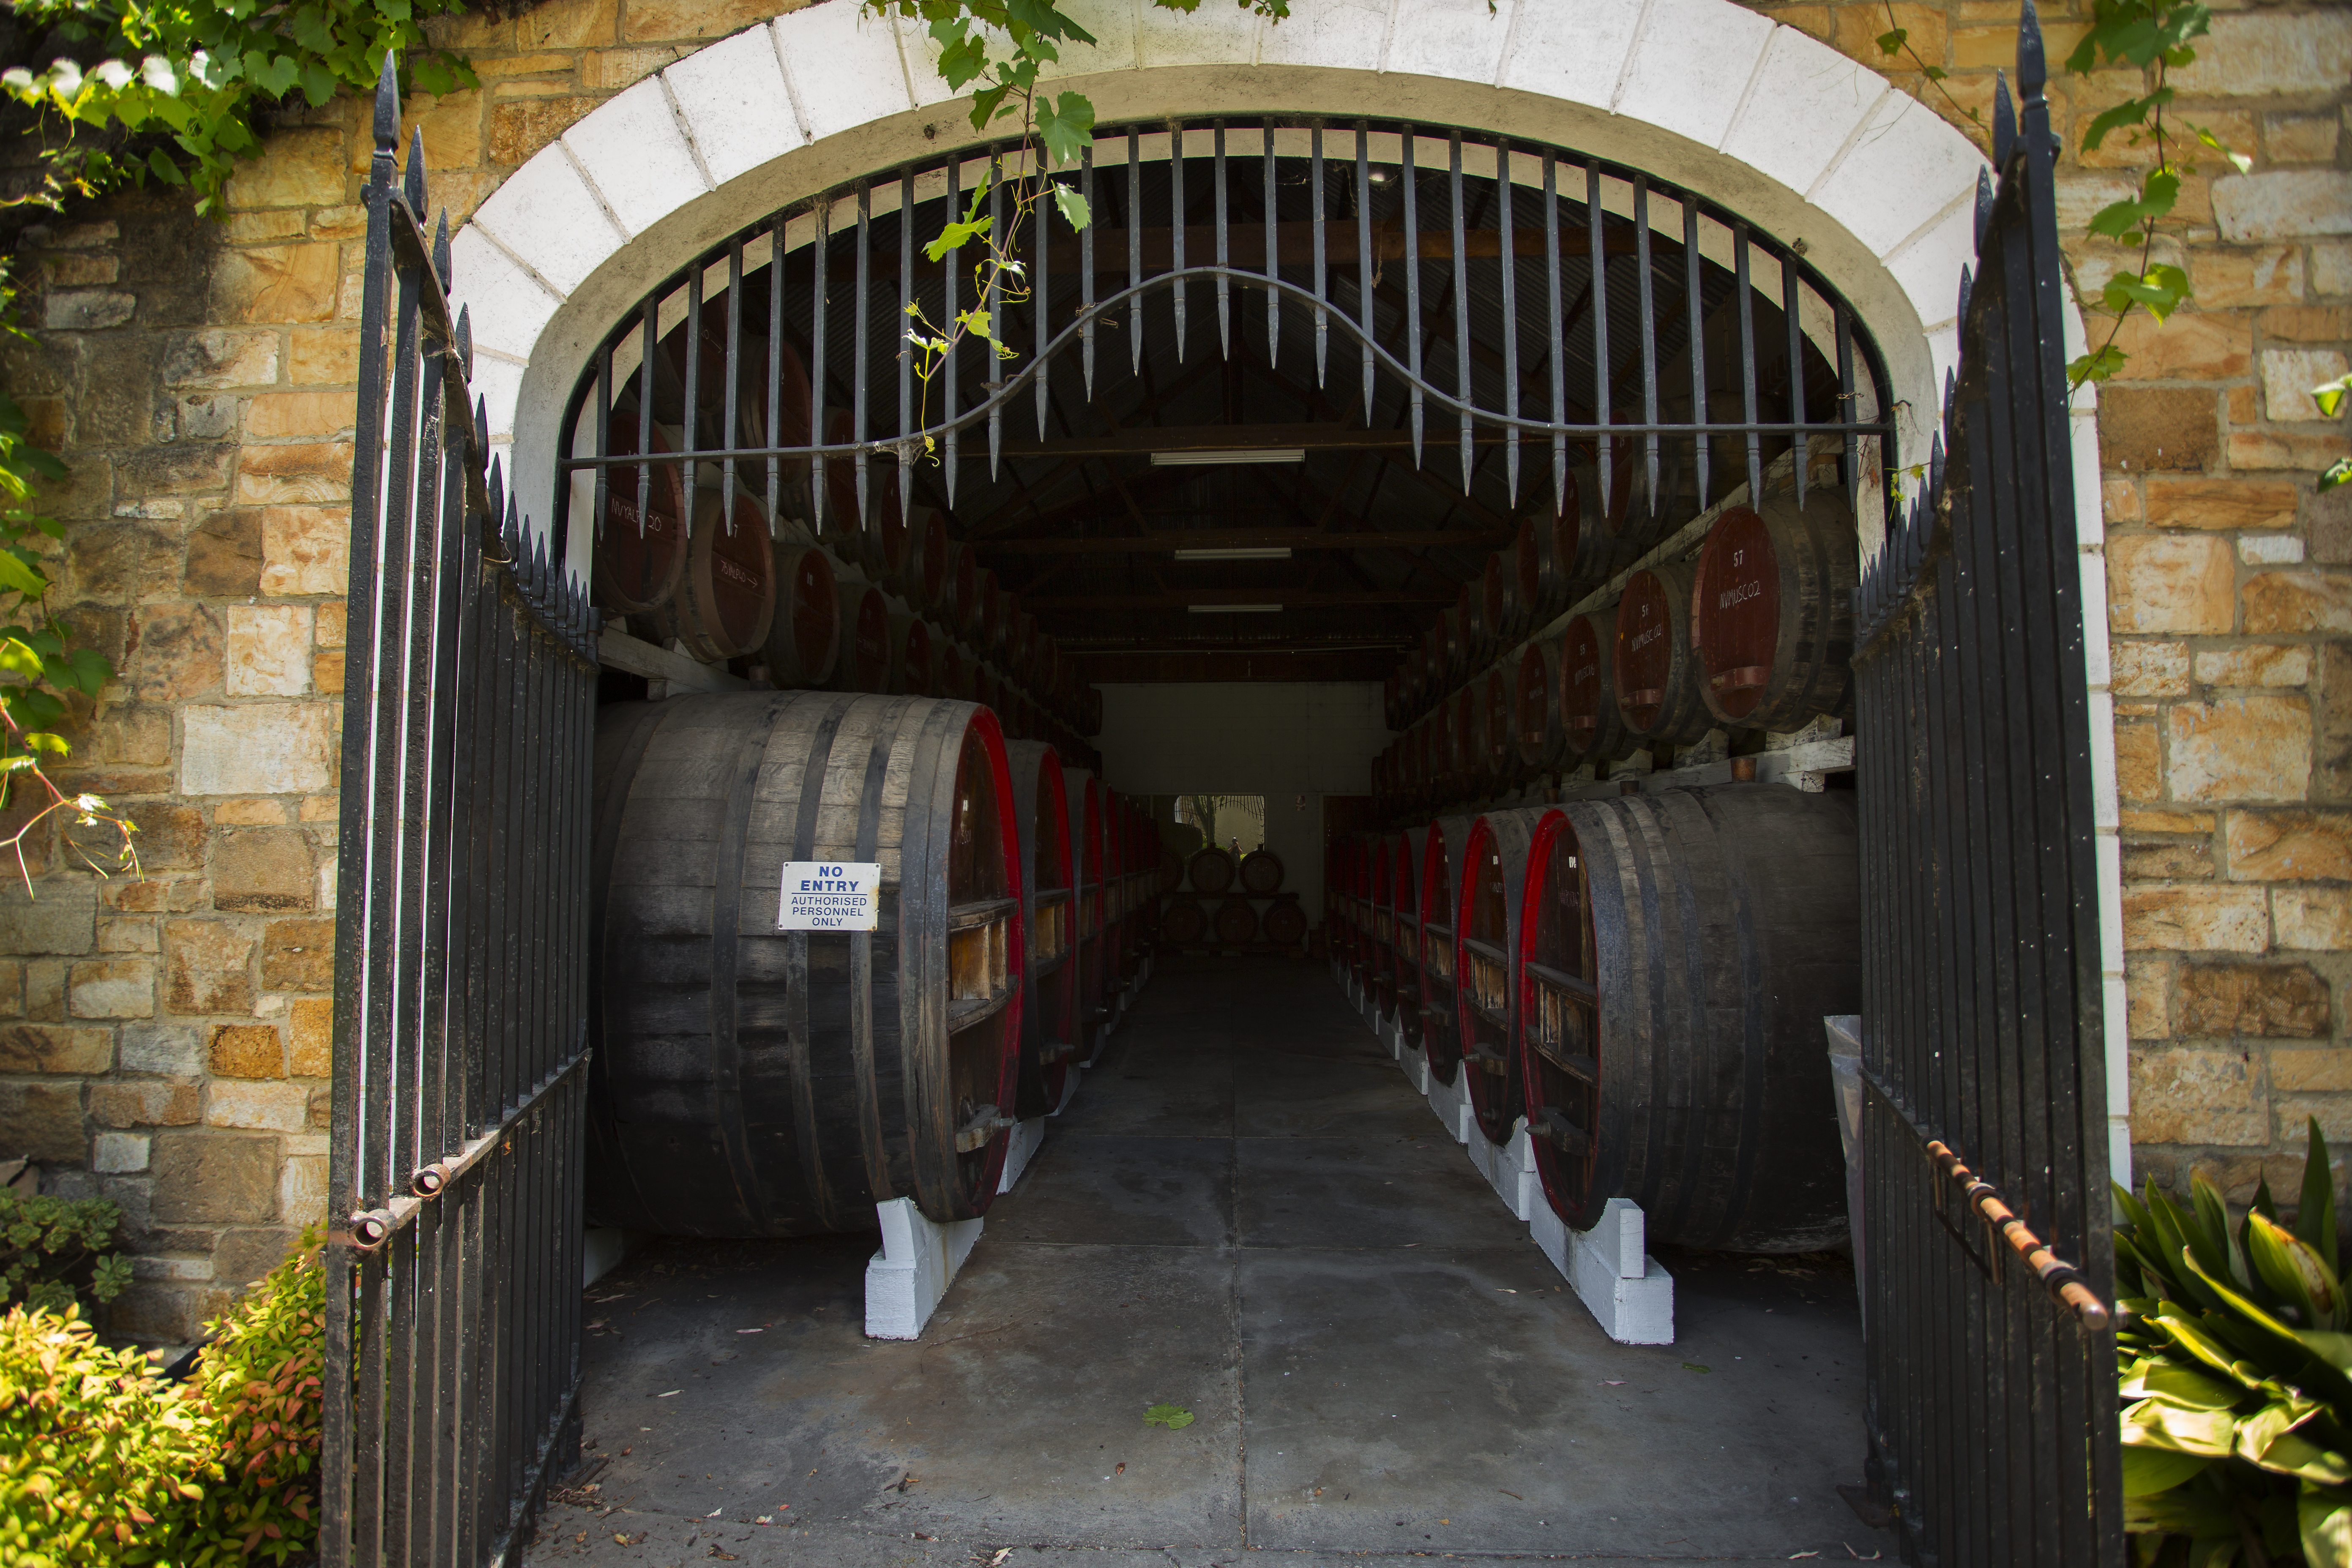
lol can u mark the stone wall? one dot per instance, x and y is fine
(166, 1033)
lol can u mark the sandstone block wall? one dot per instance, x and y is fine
(163, 1036)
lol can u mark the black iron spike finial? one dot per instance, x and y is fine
(539, 576)
(413, 185)
(1984, 206)
(481, 439)
(387, 108)
(2005, 120)
(465, 341)
(497, 487)
(1967, 283)
(1952, 376)
(2033, 65)
(441, 250)
(1934, 468)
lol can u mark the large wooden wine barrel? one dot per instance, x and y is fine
(1210, 870)
(1441, 865)
(1773, 622)
(929, 572)
(1184, 920)
(1656, 676)
(1591, 729)
(727, 594)
(910, 660)
(1498, 756)
(804, 634)
(754, 1082)
(865, 661)
(1463, 735)
(1050, 1024)
(841, 525)
(641, 551)
(1380, 927)
(1476, 636)
(1236, 921)
(1535, 707)
(950, 673)
(963, 582)
(1498, 584)
(1284, 923)
(1405, 894)
(1260, 873)
(1682, 949)
(1084, 795)
(1486, 958)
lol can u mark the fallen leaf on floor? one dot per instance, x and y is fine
(1794, 1556)
(1507, 1290)
(627, 1452)
(1508, 1493)
(723, 1556)
(1858, 1557)
(637, 1540)
(1612, 1382)
(673, 1394)
(715, 1512)
(763, 1519)
(1694, 1366)
(1002, 1553)
(747, 1330)
(920, 1536)
(1122, 1468)
(1171, 1417)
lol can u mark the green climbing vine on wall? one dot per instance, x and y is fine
(1002, 45)
(120, 93)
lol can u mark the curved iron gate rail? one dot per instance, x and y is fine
(453, 1187)
(1991, 1369)
(1687, 255)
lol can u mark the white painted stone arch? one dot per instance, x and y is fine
(1758, 117)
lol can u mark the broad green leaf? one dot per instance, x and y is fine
(2130, 111)
(2238, 161)
(2293, 1453)
(15, 658)
(2315, 1221)
(1174, 1416)
(2101, 365)
(2120, 220)
(2209, 1433)
(2330, 396)
(2179, 1385)
(955, 236)
(1066, 127)
(19, 573)
(1072, 207)
(2339, 472)
(2211, 1238)
(2148, 1471)
(1892, 41)
(2323, 1515)
(2295, 1273)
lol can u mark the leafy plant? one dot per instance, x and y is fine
(99, 1460)
(1175, 1417)
(51, 1249)
(1002, 44)
(2237, 1377)
(258, 1386)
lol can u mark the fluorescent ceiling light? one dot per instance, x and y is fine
(1238, 553)
(1235, 610)
(1239, 455)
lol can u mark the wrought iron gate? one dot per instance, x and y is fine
(1991, 1365)
(461, 921)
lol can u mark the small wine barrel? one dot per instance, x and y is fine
(1211, 870)
(964, 580)
(1452, 654)
(1682, 949)
(984, 685)
(754, 1082)
(641, 554)
(1285, 924)
(1049, 1017)
(1535, 707)
(842, 528)
(1441, 863)
(1084, 793)
(865, 661)
(951, 677)
(1404, 891)
(1486, 958)
(1656, 676)
(1236, 923)
(726, 595)
(1498, 584)
(1550, 564)
(804, 635)
(1477, 636)
(1183, 922)
(1773, 622)
(1498, 756)
(911, 646)
(1591, 729)
(1463, 735)
(989, 624)
(930, 574)
(1260, 873)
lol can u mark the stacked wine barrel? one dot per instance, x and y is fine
(846, 584)
(1640, 982)
(1752, 632)
(1232, 906)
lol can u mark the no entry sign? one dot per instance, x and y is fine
(829, 895)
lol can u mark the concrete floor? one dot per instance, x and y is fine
(1246, 1212)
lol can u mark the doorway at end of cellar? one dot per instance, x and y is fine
(1250, 1303)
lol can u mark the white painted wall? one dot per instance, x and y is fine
(1291, 741)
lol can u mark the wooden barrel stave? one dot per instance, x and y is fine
(1084, 793)
(1236, 921)
(1485, 962)
(1772, 615)
(1591, 728)
(1050, 1047)
(745, 1082)
(1210, 870)
(1404, 893)
(1535, 707)
(1656, 674)
(804, 643)
(1677, 973)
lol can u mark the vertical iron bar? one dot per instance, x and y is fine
(1555, 351)
(604, 437)
(1176, 224)
(1461, 290)
(647, 350)
(1224, 255)
(1041, 291)
(1694, 315)
(1135, 250)
(1411, 282)
(1507, 250)
(992, 379)
(775, 384)
(821, 212)
(1364, 257)
(1649, 329)
(1321, 244)
(1086, 267)
(1597, 256)
(1268, 206)
(1748, 363)
(867, 528)
(689, 470)
(1849, 411)
(1801, 442)
(906, 327)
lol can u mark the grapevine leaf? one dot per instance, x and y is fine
(1067, 127)
(1072, 207)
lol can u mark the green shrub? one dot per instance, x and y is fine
(258, 1385)
(100, 1461)
(2237, 1377)
(53, 1250)
(103, 1463)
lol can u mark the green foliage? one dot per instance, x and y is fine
(1175, 1417)
(258, 1386)
(100, 1461)
(2237, 1374)
(171, 90)
(51, 1249)
(103, 1463)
